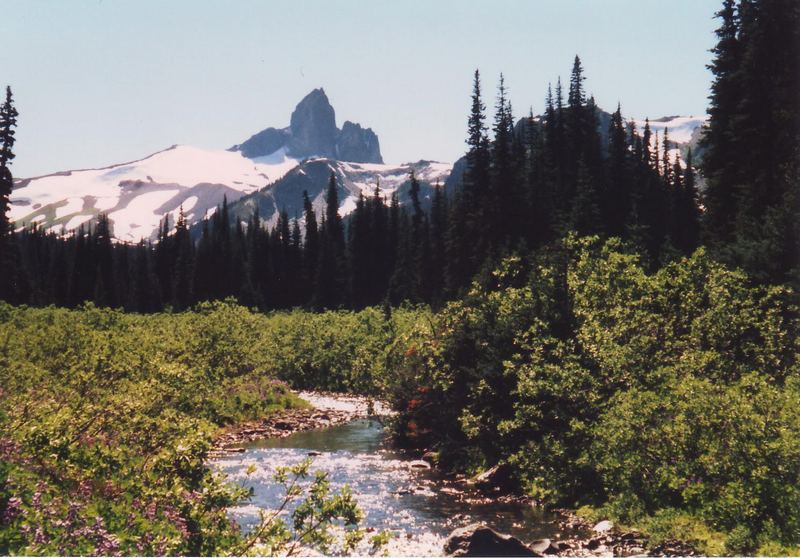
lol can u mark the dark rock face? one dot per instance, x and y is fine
(480, 540)
(312, 132)
(313, 126)
(263, 143)
(357, 144)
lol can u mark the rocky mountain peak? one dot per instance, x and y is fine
(313, 126)
(312, 132)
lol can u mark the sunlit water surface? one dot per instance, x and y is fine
(420, 506)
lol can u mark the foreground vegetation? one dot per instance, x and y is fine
(665, 400)
(106, 419)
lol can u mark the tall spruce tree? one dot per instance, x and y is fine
(184, 264)
(503, 204)
(8, 261)
(751, 139)
(467, 239)
(617, 195)
(8, 123)
(330, 281)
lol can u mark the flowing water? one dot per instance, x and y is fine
(396, 494)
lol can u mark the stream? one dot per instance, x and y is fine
(417, 504)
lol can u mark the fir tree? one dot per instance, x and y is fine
(8, 121)
(9, 272)
(311, 246)
(718, 160)
(184, 264)
(617, 195)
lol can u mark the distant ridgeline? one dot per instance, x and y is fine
(137, 195)
(280, 221)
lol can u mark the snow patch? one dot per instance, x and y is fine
(140, 215)
(680, 128)
(73, 205)
(179, 165)
(76, 222)
(189, 203)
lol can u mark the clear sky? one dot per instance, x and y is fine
(105, 81)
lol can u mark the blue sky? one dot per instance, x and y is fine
(104, 81)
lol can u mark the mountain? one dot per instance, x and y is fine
(312, 132)
(684, 132)
(270, 170)
(354, 179)
(136, 195)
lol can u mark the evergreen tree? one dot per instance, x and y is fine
(359, 254)
(466, 238)
(504, 213)
(586, 216)
(617, 195)
(311, 245)
(104, 291)
(8, 121)
(330, 278)
(8, 260)
(753, 131)
(184, 264)
(665, 160)
(577, 121)
(437, 241)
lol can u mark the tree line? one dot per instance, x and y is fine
(526, 184)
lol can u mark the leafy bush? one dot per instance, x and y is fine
(603, 384)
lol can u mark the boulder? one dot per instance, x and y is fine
(480, 540)
(431, 457)
(603, 526)
(498, 479)
(672, 547)
(544, 546)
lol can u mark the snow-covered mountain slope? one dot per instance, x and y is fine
(137, 195)
(682, 129)
(683, 132)
(354, 179)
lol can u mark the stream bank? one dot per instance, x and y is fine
(418, 504)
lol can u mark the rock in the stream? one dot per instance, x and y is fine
(497, 479)
(672, 547)
(603, 527)
(544, 546)
(480, 540)
(431, 457)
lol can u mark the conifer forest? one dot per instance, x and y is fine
(608, 317)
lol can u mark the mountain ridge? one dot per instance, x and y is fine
(270, 172)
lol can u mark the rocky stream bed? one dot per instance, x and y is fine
(429, 514)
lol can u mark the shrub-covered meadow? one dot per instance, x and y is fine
(107, 417)
(666, 400)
